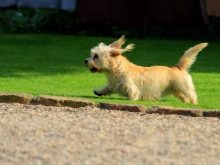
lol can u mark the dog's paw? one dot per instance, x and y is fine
(96, 93)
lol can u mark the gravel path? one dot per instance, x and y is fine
(57, 135)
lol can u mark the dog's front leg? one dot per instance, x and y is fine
(133, 93)
(103, 91)
(133, 96)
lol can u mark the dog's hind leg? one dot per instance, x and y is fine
(191, 95)
(103, 91)
(187, 97)
(182, 97)
(184, 89)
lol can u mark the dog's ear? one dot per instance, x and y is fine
(117, 44)
(116, 52)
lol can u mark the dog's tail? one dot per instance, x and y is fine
(189, 56)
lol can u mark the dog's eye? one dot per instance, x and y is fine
(95, 56)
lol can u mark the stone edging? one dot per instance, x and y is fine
(76, 103)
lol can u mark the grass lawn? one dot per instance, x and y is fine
(53, 65)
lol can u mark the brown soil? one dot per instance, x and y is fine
(58, 135)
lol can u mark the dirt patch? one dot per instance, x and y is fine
(35, 134)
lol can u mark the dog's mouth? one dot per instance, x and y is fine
(94, 70)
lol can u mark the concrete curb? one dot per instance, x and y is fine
(176, 111)
(76, 103)
(15, 98)
(122, 107)
(60, 101)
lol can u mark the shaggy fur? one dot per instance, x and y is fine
(137, 82)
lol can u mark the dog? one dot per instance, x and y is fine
(137, 82)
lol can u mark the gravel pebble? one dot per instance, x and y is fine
(35, 134)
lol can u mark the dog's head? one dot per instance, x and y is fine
(103, 56)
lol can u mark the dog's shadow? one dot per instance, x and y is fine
(102, 97)
(116, 98)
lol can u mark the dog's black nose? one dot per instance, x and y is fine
(85, 61)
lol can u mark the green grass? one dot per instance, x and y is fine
(53, 65)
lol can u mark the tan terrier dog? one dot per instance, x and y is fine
(137, 82)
